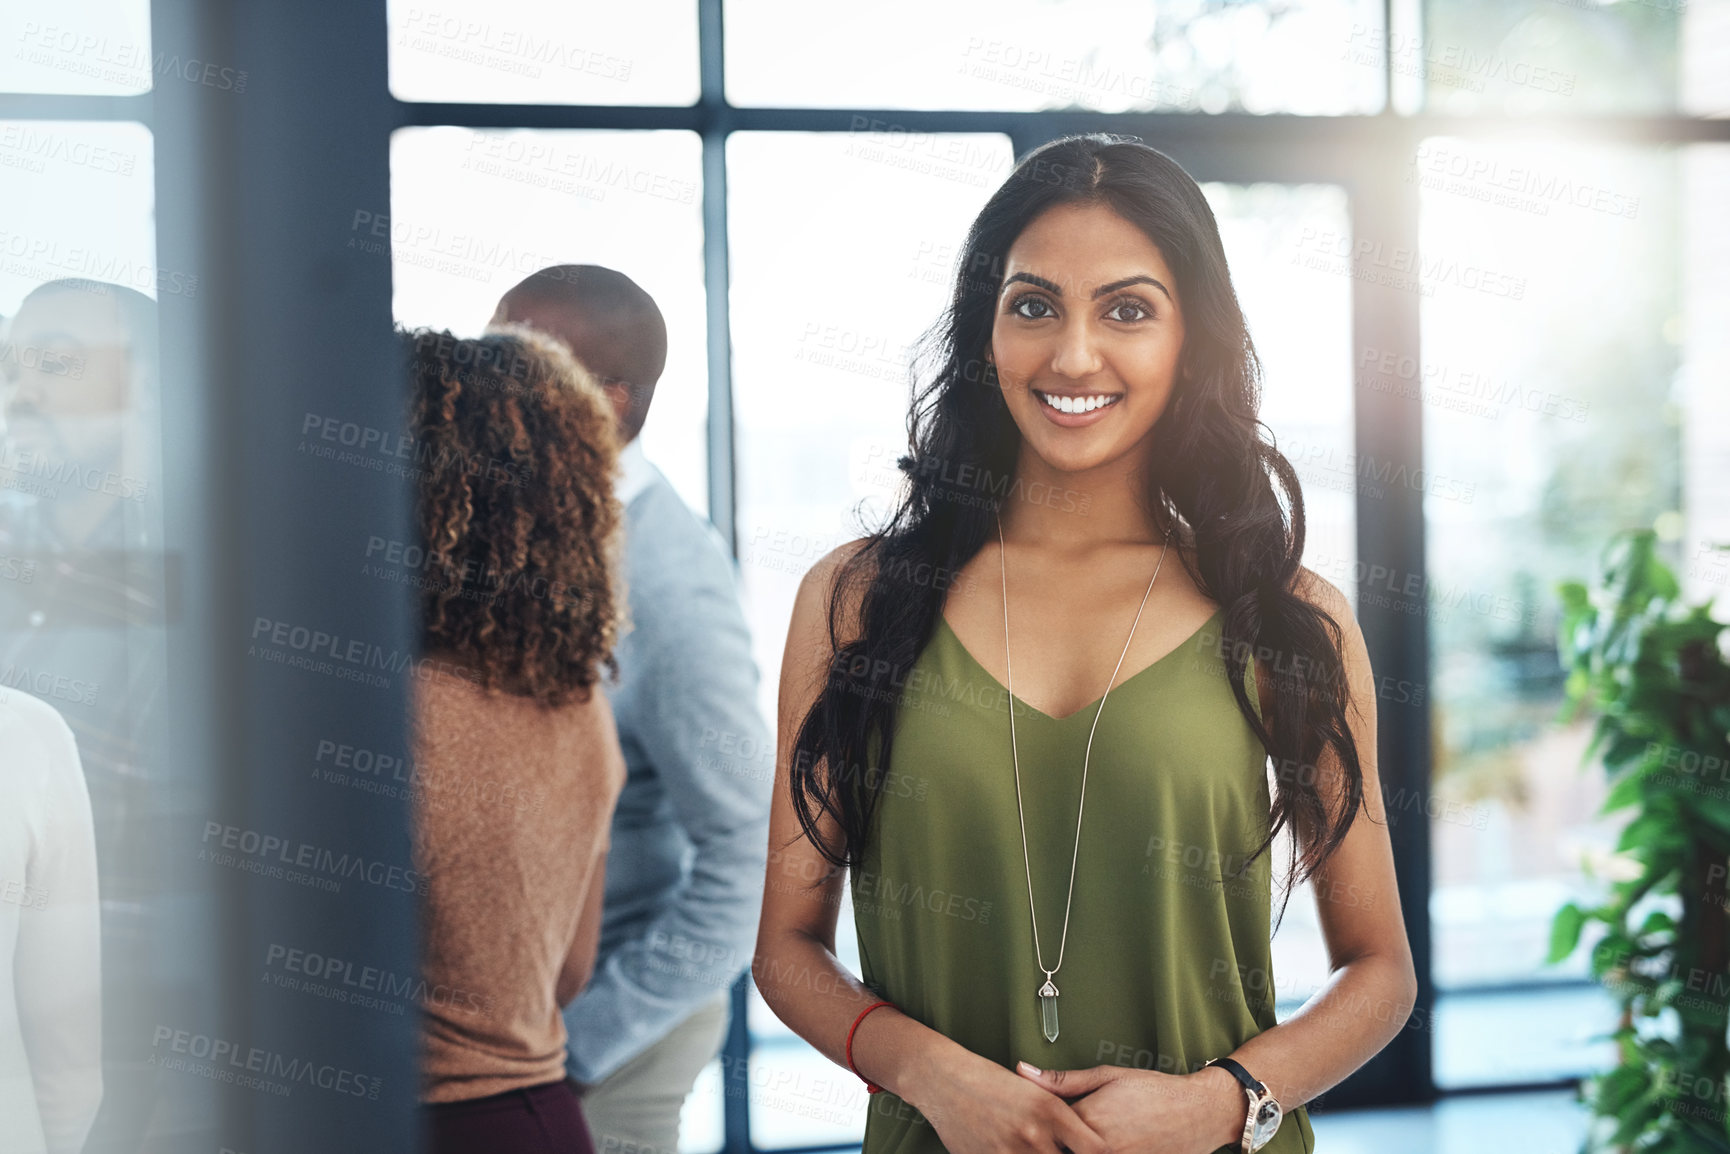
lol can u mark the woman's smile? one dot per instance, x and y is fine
(1073, 410)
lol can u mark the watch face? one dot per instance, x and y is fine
(1267, 1120)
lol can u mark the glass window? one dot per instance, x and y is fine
(543, 52)
(79, 203)
(1027, 55)
(472, 213)
(1526, 1035)
(1704, 49)
(1552, 328)
(87, 47)
(1576, 57)
(702, 1120)
(1704, 565)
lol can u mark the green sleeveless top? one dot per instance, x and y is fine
(1168, 959)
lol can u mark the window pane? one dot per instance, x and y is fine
(472, 213)
(1703, 393)
(86, 601)
(702, 1120)
(88, 47)
(1705, 54)
(1538, 56)
(1552, 330)
(543, 52)
(1025, 55)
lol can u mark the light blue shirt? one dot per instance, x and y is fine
(690, 835)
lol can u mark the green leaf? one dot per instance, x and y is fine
(1715, 811)
(1611, 951)
(1565, 932)
(1647, 830)
(1628, 749)
(1621, 1086)
(1624, 793)
(1656, 922)
(1635, 1118)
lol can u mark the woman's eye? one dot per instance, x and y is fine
(1128, 311)
(1021, 307)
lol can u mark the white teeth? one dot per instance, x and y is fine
(1077, 404)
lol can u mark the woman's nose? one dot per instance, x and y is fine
(1076, 355)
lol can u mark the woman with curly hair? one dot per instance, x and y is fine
(1070, 950)
(517, 762)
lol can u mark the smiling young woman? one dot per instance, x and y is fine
(1060, 880)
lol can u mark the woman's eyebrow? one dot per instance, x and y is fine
(1139, 278)
(1052, 286)
(1037, 281)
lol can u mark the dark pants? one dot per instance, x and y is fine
(546, 1119)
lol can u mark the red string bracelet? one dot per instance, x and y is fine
(869, 1088)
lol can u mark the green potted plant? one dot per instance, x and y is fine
(1654, 673)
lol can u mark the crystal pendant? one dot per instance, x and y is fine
(1048, 1009)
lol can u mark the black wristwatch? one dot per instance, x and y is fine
(1264, 1114)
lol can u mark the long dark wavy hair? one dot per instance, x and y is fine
(1212, 481)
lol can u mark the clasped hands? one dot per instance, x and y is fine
(1101, 1110)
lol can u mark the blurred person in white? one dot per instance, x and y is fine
(50, 942)
(83, 609)
(689, 840)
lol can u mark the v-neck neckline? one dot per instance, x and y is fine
(943, 622)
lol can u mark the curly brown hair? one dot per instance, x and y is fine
(515, 453)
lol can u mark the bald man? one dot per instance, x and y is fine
(685, 868)
(611, 324)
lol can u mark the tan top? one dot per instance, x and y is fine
(513, 802)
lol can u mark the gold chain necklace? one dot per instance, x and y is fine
(1048, 992)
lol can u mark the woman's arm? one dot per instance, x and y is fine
(1372, 985)
(973, 1103)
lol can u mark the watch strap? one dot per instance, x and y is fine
(1232, 1067)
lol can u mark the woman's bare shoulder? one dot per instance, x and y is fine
(1326, 596)
(817, 590)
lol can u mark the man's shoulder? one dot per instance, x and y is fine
(660, 527)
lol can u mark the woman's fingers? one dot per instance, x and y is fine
(1068, 1083)
(1073, 1134)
